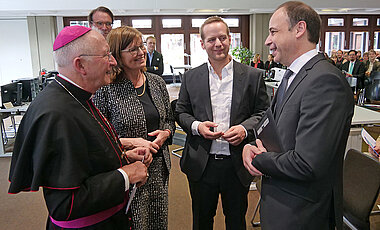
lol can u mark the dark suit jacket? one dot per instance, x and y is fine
(313, 124)
(260, 65)
(157, 61)
(249, 102)
(375, 67)
(270, 65)
(358, 72)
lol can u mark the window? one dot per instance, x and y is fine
(198, 55)
(334, 41)
(79, 23)
(171, 23)
(360, 21)
(197, 22)
(335, 22)
(172, 48)
(146, 35)
(359, 41)
(235, 40)
(177, 35)
(232, 22)
(142, 23)
(116, 23)
(376, 41)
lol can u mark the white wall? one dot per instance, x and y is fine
(15, 58)
(42, 33)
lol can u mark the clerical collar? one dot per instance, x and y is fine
(69, 80)
(77, 91)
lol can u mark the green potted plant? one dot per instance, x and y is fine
(243, 54)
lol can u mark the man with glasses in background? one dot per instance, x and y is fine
(354, 70)
(101, 19)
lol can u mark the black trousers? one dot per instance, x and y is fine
(219, 177)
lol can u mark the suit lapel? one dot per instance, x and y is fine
(237, 90)
(356, 67)
(204, 89)
(298, 79)
(154, 57)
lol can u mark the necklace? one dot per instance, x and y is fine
(139, 95)
(109, 133)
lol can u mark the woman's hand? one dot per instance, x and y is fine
(161, 136)
(131, 143)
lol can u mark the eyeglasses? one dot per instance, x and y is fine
(135, 50)
(101, 24)
(108, 54)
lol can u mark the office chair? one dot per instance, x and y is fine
(258, 186)
(173, 106)
(373, 87)
(173, 74)
(361, 183)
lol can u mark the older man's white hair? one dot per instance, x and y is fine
(64, 56)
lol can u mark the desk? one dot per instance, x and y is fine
(362, 117)
(272, 86)
(185, 67)
(11, 112)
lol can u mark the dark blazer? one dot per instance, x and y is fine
(313, 124)
(358, 72)
(249, 102)
(375, 67)
(157, 61)
(269, 65)
(260, 65)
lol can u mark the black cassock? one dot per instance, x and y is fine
(61, 147)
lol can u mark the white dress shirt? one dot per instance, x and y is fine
(297, 64)
(221, 100)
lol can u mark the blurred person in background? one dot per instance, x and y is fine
(101, 18)
(257, 63)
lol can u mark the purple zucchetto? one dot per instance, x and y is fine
(69, 34)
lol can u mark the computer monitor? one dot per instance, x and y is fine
(30, 88)
(11, 92)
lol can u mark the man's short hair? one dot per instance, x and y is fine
(372, 51)
(100, 9)
(210, 20)
(150, 37)
(339, 51)
(66, 54)
(352, 51)
(299, 11)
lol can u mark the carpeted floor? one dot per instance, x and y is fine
(27, 210)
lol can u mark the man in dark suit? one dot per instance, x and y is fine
(355, 71)
(154, 60)
(219, 104)
(372, 65)
(302, 186)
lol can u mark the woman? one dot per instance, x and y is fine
(269, 64)
(137, 104)
(257, 63)
(329, 59)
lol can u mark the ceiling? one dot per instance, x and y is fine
(22, 8)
